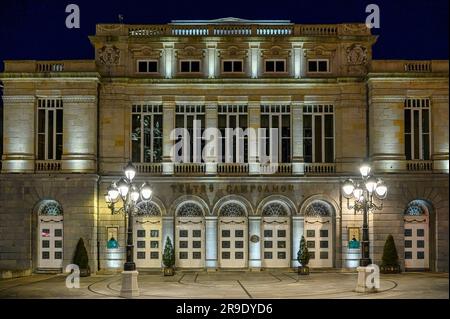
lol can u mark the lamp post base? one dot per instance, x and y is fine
(364, 285)
(130, 286)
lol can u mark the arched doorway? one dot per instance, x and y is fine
(417, 235)
(147, 235)
(276, 235)
(233, 234)
(190, 236)
(318, 232)
(50, 235)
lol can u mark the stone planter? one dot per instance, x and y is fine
(303, 270)
(169, 271)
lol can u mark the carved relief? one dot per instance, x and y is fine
(232, 52)
(356, 54)
(109, 55)
(319, 51)
(146, 52)
(190, 52)
(355, 29)
(275, 52)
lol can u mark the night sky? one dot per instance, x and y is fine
(36, 29)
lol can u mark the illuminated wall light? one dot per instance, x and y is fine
(297, 61)
(168, 60)
(211, 61)
(254, 50)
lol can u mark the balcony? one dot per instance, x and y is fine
(419, 166)
(277, 169)
(148, 168)
(320, 168)
(47, 166)
(189, 168)
(232, 169)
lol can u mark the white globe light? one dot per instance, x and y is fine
(357, 192)
(123, 187)
(130, 171)
(113, 193)
(146, 191)
(364, 170)
(381, 190)
(371, 184)
(348, 188)
(134, 193)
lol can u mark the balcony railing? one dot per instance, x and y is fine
(47, 166)
(419, 166)
(320, 168)
(418, 66)
(148, 168)
(276, 169)
(190, 168)
(232, 168)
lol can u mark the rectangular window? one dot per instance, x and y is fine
(225, 244)
(311, 244)
(318, 133)
(190, 66)
(191, 118)
(310, 233)
(147, 66)
(232, 66)
(196, 244)
(275, 66)
(225, 255)
(277, 117)
(225, 233)
(49, 129)
(183, 233)
(197, 233)
(238, 244)
(267, 255)
(154, 255)
(234, 146)
(281, 255)
(146, 133)
(318, 65)
(238, 255)
(268, 233)
(183, 255)
(417, 129)
(324, 255)
(196, 255)
(183, 244)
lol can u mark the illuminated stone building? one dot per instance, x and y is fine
(70, 127)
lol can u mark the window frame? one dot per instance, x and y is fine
(228, 111)
(190, 66)
(232, 61)
(48, 104)
(152, 114)
(317, 64)
(411, 105)
(195, 111)
(275, 68)
(287, 111)
(147, 61)
(321, 114)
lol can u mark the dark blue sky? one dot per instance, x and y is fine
(410, 29)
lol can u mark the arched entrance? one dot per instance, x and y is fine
(50, 235)
(190, 236)
(417, 235)
(276, 235)
(233, 236)
(147, 235)
(318, 232)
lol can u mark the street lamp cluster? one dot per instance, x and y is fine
(131, 194)
(364, 192)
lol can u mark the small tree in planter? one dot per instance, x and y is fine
(390, 263)
(168, 258)
(81, 259)
(303, 257)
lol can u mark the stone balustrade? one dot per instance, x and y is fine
(232, 168)
(320, 168)
(47, 166)
(148, 168)
(419, 166)
(33, 66)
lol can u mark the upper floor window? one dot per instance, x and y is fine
(191, 118)
(417, 129)
(234, 147)
(232, 66)
(272, 66)
(146, 133)
(277, 117)
(318, 65)
(49, 129)
(318, 133)
(190, 66)
(147, 66)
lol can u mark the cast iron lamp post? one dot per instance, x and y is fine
(131, 194)
(363, 193)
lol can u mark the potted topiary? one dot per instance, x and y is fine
(81, 259)
(303, 257)
(168, 258)
(389, 264)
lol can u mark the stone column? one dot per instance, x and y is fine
(212, 60)
(168, 126)
(79, 133)
(439, 133)
(298, 165)
(387, 149)
(18, 133)
(297, 59)
(211, 242)
(297, 233)
(211, 121)
(254, 60)
(254, 123)
(254, 249)
(168, 60)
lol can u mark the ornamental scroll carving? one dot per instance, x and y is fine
(356, 54)
(109, 55)
(190, 52)
(232, 52)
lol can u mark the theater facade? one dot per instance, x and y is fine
(70, 127)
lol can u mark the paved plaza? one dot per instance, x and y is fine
(240, 285)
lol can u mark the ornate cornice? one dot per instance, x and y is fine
(79, 98)
(18, 98)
